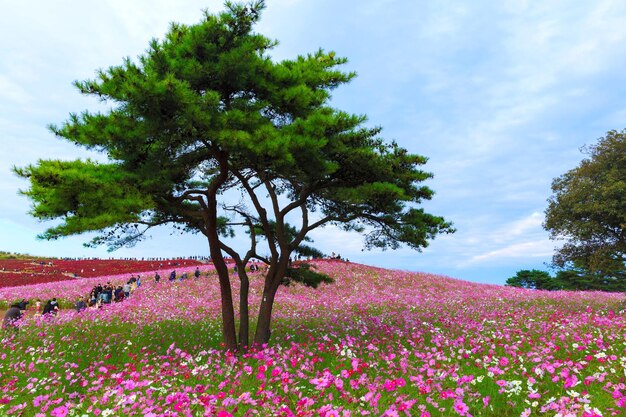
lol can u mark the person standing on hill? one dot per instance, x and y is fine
(12, 316)
(51, 307)
(173, 276)
(108, 291)
(98, 290)
(126, 289)
(197, 273)
(118, 294)
(157, 277)
(80, 305)
(92, 298)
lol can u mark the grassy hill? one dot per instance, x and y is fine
(13, 255)
(375, 342)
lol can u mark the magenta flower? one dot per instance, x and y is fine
(389, 385)
(460, 407)
(59, 411)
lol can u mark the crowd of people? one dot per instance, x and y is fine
(102, 294)
(152, 259)
(16, 311)
(98, 296)
(109, 293)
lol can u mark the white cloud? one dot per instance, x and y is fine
(11, 91)
(333, 239)
(532, 222)
(522, 238)
(534, 249)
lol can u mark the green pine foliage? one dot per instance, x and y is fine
(306, 275)
(534, 279)
(206, 110)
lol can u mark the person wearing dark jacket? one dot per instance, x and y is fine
(80, 305)
(12, 316)
(51, 307)
(47, 308)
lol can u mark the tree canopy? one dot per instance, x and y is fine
(207, 111)
(533, 279)
(578, 277)
(588, 209)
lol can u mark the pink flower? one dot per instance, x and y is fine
(460, 407)
(224, 414)
(59, 411)
(389, 385)
(339, 384)
(570, 381)
(447, 394)
(129, 384)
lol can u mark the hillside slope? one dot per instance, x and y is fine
(375, 342)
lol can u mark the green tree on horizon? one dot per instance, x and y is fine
(587, 211)
(533, 279)
(206, 111)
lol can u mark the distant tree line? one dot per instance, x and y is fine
(574, 279)
(15, 255)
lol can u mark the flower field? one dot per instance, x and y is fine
(15, 272)
(374, 343)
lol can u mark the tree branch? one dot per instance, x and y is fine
(280, 223)
(303, 230)
(260, 210)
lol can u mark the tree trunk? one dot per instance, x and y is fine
(272, 283)
(244, 314)
(263, 330)
(228, 313)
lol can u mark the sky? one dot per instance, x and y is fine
(500, 96)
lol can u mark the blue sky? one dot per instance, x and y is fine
(499, 96)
